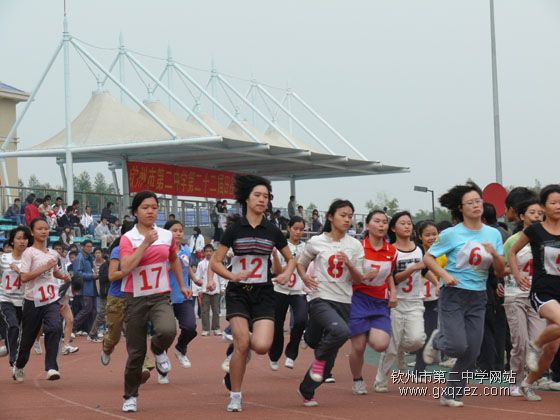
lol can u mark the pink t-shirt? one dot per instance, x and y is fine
(157, 253)
(31, 260)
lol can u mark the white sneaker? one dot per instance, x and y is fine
(543, 384)
(205, 333)
(225, 364)
(100, 334)
(72, 336)
(430, 354)
(515, 391)
(68, 349)
(359, 387)
(289, 363)
(17, 374)
(554, 386)
(529, 391)
(3, 351)
(234, 405)
(183, 359)
(449, 363)
(162, 379)
(129, 405)
(163, 364)
(451, 402)
(53, 375)
(37, 347)
(105, 358)
(217, 332)
(532, 357)
(274, 365)
(380, 387)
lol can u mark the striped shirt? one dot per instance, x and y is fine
(11, 287)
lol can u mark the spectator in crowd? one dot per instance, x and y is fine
(171, 217)
(101, 270)
(87, 221)
(58, 208)
(67, 237)
(292, 207)
(316, 224)
(196, 244)
(14, 212)
(107, 213)
(83, 266)
(115, 228)
(103, 233)
(31, 209)
(45, 206)
(215, 220)
(70, 219)
(76, 207)
(301, 212)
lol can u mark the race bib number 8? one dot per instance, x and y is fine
(552, 260)
(474, 256)
(150, 279)
(256, 264)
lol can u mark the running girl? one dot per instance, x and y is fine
(370, 321)
(471, 248)
(39, 272)
(250, 294)
(145, 251)
(544, 239)
(407, 320)
(11, 290)
(290, 295)
(338, 260)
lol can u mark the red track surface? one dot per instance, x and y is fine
(89, 390)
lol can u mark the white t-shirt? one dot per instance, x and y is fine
(11, 287)
(295, 284)
(202, 274)
(43, 289)
(335, 281)
(411, 288)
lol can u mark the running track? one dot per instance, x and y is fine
(89, 390)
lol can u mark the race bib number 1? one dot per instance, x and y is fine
(256, 264)
(150, 280)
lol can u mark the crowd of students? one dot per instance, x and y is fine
(434, 291)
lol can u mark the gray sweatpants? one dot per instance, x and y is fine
(461, 329)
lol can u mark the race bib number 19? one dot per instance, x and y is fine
(150, 279)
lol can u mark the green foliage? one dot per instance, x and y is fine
(311, 206)
(441, 215)
(383, 202)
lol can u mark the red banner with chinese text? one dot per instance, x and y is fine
(180, 180)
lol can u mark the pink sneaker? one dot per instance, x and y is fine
(310, 403)
(317, 370)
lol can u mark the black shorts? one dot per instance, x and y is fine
(250, 301)
(539, 299)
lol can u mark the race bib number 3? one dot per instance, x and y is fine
(474, 256)
(552, 260)
(257, 265)
(150, 280)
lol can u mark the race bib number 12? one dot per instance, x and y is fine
(256, 264)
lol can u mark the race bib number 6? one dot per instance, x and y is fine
(474, 256)
(150, 279)
(256, 264)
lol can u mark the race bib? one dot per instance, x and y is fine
(11, 282)
(384, 268)
(552, 260)
(474, 256)
(256, 264)
(46, 291)
(411, 284)
(150, 280)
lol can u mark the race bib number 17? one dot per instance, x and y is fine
(150, 279)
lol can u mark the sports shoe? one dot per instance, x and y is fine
(225, 363)
(289, 363)
(100, 334)
(162, 379)
(72, 336)
(515, 391)
(183, 359)
(234, 404)
(163, 364)
(205, 333)
(359, 387)
(105, 358)
(381, 387)
(529, 391)
(68, 349)
(53, 375)
(430, 353)
(37, 347)
(330, 379)
(217, 332)
(17, 374)
(94, 339)
(317, 370)
(554, 386)
(542, 384)
(228, 336)
(274, 365)
(450, 402)
(82, 333)
(145, 375)
(3, 351)
(449, 363)
(311, 402)
(129, 405)
(532, 357)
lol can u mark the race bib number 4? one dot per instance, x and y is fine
(150, 280)
(474, 256)
(552, 260)
(257, 265)
(384, 270)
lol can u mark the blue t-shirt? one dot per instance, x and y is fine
(467, 260)
(184, 255)
(115, 287)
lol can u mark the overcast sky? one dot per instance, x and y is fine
(407, 82)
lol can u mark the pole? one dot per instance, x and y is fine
(69, 157)
(497, 140)
(433, 206)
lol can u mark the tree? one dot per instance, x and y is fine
(311, 206)
(441, 215)
(383, 202)
(82, 182)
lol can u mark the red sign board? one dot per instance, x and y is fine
(496, 194)
(179, 180)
